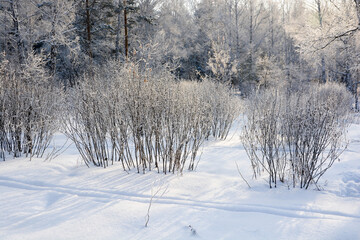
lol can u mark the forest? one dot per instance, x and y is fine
(250, 43)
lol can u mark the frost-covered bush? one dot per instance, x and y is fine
(145, 120)
(89, 122)
(261, 134)
(223, 106)
(29, 109)
(298, 134)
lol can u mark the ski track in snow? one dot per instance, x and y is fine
(113, 195)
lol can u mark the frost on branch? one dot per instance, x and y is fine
(30, 105)
(146, 120)
(296, 135)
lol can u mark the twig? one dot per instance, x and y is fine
(153, 195)
(57, 152)
(237, 166)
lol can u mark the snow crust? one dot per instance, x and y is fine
(63, 199)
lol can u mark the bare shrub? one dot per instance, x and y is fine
(30, 108)
(223, 106)
(88, 125)
(262, 137)
(314, 126)
(145, 119)
(301, 133)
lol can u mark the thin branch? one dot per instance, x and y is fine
(153, 195)
(238, 169)
(345, 34)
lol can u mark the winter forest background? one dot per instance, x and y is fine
(251, 43)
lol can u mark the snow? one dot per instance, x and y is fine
(63, 199)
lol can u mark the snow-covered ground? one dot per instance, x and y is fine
(63, 199)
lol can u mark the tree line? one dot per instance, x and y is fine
(248, 42)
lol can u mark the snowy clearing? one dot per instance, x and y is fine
(63, 199)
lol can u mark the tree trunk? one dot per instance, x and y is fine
(230, 28)
(118, 32)
(285, 46)
(28, 137)
(53, 50)
(126, 31)
(357, 5)
(251, 33)
(88, 28)
(237, 30)
(320, 18)
(19, 42)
